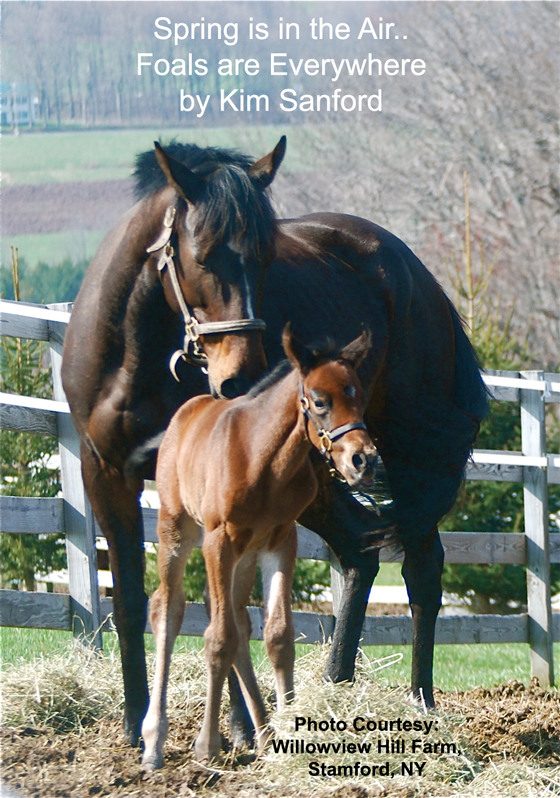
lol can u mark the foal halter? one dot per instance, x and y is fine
(327, 437)
(192, 351)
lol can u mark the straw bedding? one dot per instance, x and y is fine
(62, 737)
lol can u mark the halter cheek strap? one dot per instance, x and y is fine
(327, 437)
(191, 351)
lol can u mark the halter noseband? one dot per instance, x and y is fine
(192, 351)
(327, 437)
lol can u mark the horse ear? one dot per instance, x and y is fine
(297, 353)
(264, 170)
(356, 351)
(186, 183)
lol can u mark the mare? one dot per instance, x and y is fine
(241, 469)
(202, 247)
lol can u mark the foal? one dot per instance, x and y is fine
(241, 469)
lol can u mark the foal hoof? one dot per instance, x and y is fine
(204, 752)
(152, 762)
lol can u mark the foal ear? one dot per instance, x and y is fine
(186, 183)
(356, 351)
(297, 353)
(264, 170)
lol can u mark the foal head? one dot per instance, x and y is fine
(223, 238)
(332, 401)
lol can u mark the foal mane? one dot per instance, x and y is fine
(320, 352)
(233, 207)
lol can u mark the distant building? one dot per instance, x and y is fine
(17, 102)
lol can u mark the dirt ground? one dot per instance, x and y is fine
(96, 205)
(511, 722)
(57, 207)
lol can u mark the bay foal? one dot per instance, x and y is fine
(241, 470)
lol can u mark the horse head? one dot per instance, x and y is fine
(220, 241)
(332, 402)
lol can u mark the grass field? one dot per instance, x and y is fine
(54, 248)
(457, 667)
(109, 154)
(97, 155)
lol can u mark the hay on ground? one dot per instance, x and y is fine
(62, 737)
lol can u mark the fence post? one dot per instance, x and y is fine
(535, 495)
(337, 583)
(85, 606)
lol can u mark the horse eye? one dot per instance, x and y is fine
(350, 391)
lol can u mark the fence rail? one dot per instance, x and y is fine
(83, 610)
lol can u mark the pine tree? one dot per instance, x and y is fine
(27, 467)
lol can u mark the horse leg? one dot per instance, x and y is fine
(422, 568)
(221, 637)
(117, 509)
(243, 581)
(278, 573)
(347, 526)
(177, 536)
(350, 619)
(241, 727)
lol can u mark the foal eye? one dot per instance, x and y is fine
(350, 391)
(321, 406)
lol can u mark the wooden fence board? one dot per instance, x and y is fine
(19, 514)
(33, 516)
(27, 414)
(52, 611)
(26, 320)
(35, 610)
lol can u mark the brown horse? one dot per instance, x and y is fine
(202, 247)
(241, 469)
(186, 264)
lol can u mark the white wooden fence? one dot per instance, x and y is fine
(82, 610)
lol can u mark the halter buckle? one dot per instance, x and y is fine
(191, 330)
(326, 440)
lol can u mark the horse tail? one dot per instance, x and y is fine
(141, 461)
(471, 394)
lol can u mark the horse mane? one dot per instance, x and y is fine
(233, 206)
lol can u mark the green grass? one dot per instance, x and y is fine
(457, 667)
(53, 248)
(389, 574)
(109, 154)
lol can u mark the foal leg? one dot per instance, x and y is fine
(278, 572)
(241, 729)
(177, 536)
(221, 636)
(423, 564)
(244, 579)
(117, 509)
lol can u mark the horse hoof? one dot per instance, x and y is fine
(132, 733)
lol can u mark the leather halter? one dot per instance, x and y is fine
(192, 351)
(327, 437)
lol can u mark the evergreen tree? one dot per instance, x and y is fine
(491, 506)
(27, 467)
